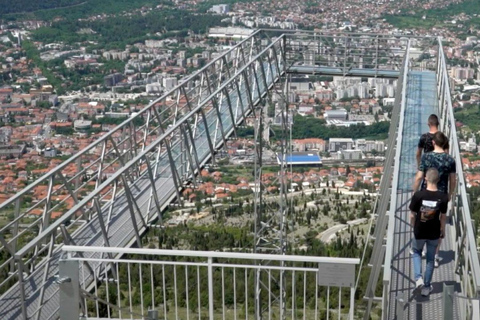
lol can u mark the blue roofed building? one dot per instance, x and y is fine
(301, 159)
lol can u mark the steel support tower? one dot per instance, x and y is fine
(271, 217)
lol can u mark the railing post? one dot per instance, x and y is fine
(153, 314)
(475, 309)
(352, 302)
(68, 283)
(400, 310)
(210, 288)
(447, 301)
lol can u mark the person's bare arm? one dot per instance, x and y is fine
(443, 220)
(419, 156)
(412, 218)
(452, 185)
(417, 181)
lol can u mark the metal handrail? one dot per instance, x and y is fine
(387, 272)
(461, 185)
(207, 254)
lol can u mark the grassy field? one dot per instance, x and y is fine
(469, 116)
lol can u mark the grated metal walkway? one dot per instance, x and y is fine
(421, 102)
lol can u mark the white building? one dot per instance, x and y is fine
(369, 145)
(154, 88)
(381, 90)
(230, 33)
(390, 91)
(220, 9)
(346, 81)
(350, 154)
(462, 73)
(169, 83)
(336, 144)
(362, 90)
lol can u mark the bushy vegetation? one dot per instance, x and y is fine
(310, 127)
(70, 9)
(113, 33)
(427, 19)
(18, 6)
(469, 116)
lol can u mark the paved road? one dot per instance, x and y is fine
(330, 234)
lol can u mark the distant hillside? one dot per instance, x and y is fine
(21, 6)
(426, 19)
(70, 9)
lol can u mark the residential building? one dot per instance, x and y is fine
(336, 144)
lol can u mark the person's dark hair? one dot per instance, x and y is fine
(440, 139)
(433, 120)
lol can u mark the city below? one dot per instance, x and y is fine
(231, 159)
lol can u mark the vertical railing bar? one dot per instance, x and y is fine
(107, 288)
(283, 289)
(119, 301)
(129, 290)
(210, 288)
(175, 290)
(164, 293)
(293, 295)
(316, 296)
(246, 294)
(96, 294)
(187, 300)
(83, 287)
(83, 306)
(352, 301)
(339, 303)
(198, 294)
(22, 289)
(234, 294)
(45, 274)
(328, 302)
(223, 293)
(152, 291)
(269, 294)
(304, 293)
(140, 275)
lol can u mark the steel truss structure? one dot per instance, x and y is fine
(109, 193)
(271, 220)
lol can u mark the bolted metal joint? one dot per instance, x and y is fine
(60, 280)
